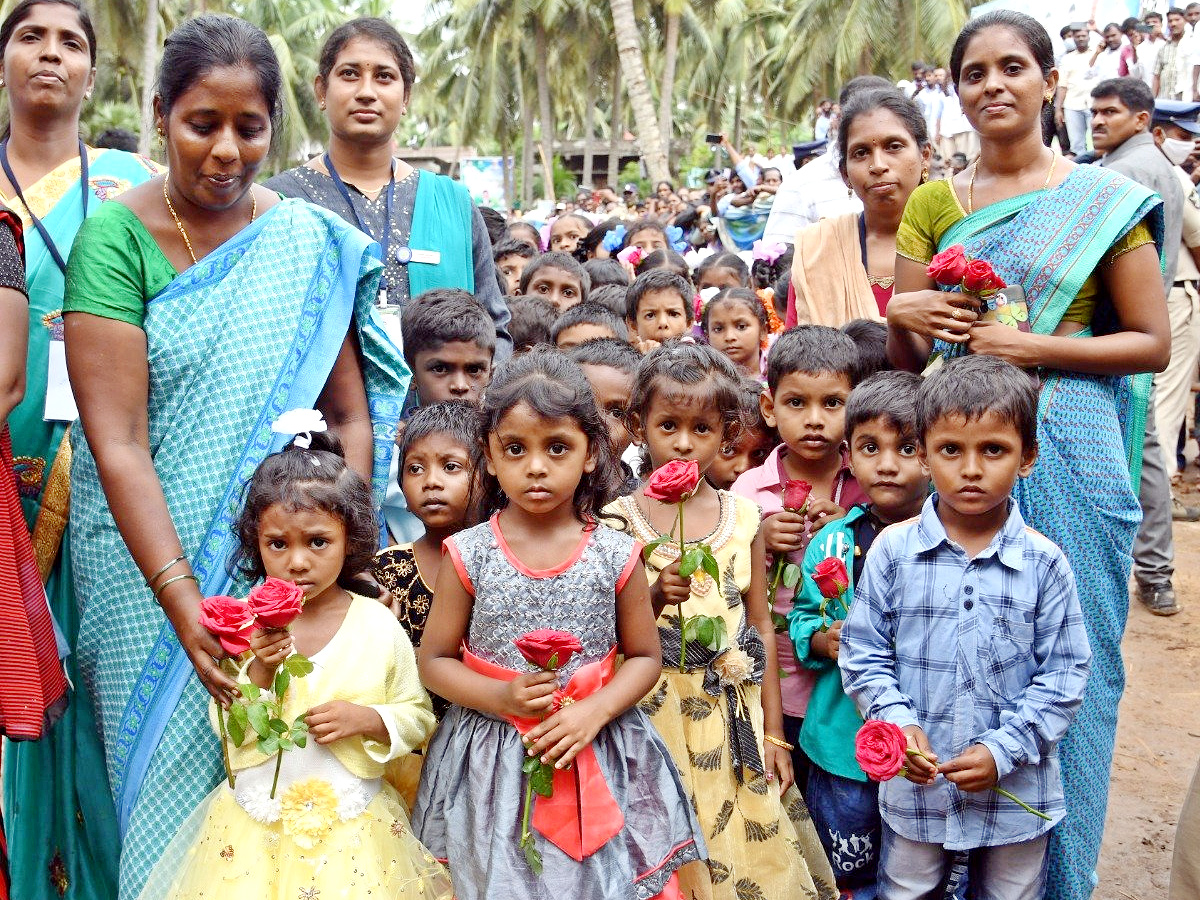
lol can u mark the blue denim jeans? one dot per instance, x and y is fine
(846, 815)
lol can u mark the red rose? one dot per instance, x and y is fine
(795, 494)
(673, 482)
(980, 276)
(949, 266)
(831, 578)
(880, 748)
(230, 620)
(548, 649)
(276, 602)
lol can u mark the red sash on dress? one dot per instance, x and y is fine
(581, 815)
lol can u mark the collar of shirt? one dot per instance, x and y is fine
(1128, 146)
(1008, 544)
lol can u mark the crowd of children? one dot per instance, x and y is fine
(723, 766)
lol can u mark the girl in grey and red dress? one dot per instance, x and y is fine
(619, 824)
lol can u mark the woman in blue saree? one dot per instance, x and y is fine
(1081, 242)
(199, 308)
(62, 833)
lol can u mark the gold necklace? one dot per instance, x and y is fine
(975, 171)
(179, 224)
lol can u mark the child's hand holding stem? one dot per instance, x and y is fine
(271, 647)
(922, 761)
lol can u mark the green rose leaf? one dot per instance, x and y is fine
(689, 562)
(269, 745)
(543, 780)
(249, 689)
(259, 717)
(779, 623)
(282, 679)
(237, 730)
(648, 549)
(278, 726)
(532, 858)
(791, 575)
(706, 632)
(709, 563)
(531, 765)
(285, 742)
(300, 740)
(297, 665)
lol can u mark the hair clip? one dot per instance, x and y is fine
(301, 423)
(768, 253)
(613, 239)
(675, 238)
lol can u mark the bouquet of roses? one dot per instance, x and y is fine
(674, 482)
(881, 749)
(549, 650)
(954, 269)
(274, 604)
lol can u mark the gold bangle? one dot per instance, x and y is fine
(170, 581)
(779, 742)
(159, 574)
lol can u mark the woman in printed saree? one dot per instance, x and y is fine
(199, 307)
(62, 833)
(1080, 241)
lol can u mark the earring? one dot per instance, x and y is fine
(1049, 97)
(924, 175)
(1, 82)
(849, 191)
(160, 139)
(322, 104)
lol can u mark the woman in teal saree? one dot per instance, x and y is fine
(61, 832)
(1084, 245)
(225, 307)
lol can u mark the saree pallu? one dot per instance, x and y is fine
(250, 331)
(1081, 493)
(62, 832)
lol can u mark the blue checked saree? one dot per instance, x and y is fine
(250, 331)
(1082, 492)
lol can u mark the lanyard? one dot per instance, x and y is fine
(84, 191)
(385, 238)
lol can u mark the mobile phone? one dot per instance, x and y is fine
(712, 139)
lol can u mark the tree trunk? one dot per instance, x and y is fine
(737, 119)
(615, 134)
(546, 117)
(526, 151)
(666, 101)
(589, 128)
(149, 61)
(649, 138)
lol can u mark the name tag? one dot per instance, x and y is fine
(406, 255)
(60, 402)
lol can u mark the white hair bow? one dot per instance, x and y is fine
(301, 423)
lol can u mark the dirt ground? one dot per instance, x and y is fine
(1158, 733)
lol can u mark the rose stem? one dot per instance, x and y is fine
(1021, 803)
(225, 746)
(525, 835)
(275, 780)
(682, 617)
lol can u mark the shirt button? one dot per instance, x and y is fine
(968, 590)
(967, 604)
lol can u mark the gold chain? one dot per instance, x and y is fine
(975, 171)
(179, 224)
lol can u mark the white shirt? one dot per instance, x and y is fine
(953, 120)
(1073, 78)
(813, 192)
(1107, 64)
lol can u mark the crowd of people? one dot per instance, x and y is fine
(360, 542)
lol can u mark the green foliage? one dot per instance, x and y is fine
(262, 714)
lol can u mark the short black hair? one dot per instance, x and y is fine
(645, 224)
(588, 313)
(1028, 30)
(871, 340)
(611, 297)
(658, 280)
(1132, 92)
(494, 222)
(863, 83)
(664, 259)
(458, 420)
(730, 261)
(557, 260)
(595, 237)
(532, 318)
(885, 395)
(812, 348)
(116, 139)
(610, 352)
(512, 247)
(606, 271)
(512, 227)
(374, 29)
(972, 385)
(675, 363)
(442, 315)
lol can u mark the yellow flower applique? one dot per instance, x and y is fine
(309, 809)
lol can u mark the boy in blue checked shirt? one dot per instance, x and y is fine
(967, 633)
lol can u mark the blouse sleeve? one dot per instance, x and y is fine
(1137, 236)
(931, 209)
(12, 263)
(408, 714)
(106, 271)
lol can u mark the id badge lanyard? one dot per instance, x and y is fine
(384, 239)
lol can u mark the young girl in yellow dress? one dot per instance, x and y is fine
(335, 827)
(722, 717)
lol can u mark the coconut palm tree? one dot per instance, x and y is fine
(633, 70)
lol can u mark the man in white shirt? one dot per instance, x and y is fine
(1072, 101)
(1106, 61)
(816, 191)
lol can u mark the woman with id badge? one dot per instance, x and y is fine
(427, 228)
(62, 833)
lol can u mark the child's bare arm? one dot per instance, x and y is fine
(563, 735)
(527, 696)
(758, 613)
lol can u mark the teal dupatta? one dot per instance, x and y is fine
(1081, 492)
(249, 332)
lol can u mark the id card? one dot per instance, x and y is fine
(60, 402)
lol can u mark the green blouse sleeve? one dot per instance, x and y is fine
(115, 267)
(931, 210)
